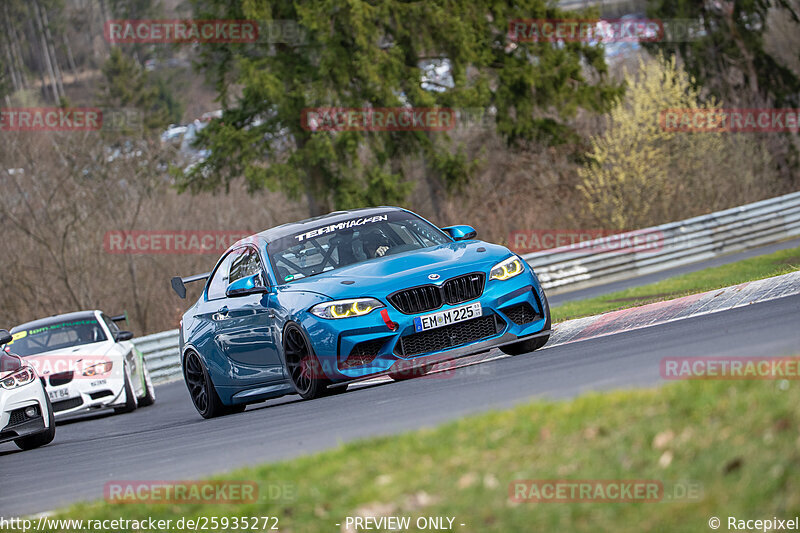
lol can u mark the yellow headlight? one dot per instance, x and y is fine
(507, 269)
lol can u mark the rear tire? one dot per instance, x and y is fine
(40, 439)
(519, 348)
(130, 398)
(202, 392)
(305, 370)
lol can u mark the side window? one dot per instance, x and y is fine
(218, 284)
(112, 327)
(245, 263)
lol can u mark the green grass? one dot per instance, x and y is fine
(765, 266)
(738, 440)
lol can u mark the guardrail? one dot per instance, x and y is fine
(161, 354)
(566, 268)
(670, 245)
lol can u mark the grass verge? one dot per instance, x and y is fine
(765, 266)
(739, 441)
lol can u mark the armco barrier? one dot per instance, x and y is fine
(161, 354)
(687, 241)
(566, 268)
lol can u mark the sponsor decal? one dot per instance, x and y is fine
(340, 226)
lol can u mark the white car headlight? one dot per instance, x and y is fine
(21, 377)
(99, 368)
(507, 269)
(346, 308)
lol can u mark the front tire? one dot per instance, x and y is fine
(130, 398)
(519, 348)
(149, 397)
(303, 367)
(40, 439)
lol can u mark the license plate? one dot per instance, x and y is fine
(58, 394)
(445, 318)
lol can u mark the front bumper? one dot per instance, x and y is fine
(364, 347)
(84, 394)
(12, 402)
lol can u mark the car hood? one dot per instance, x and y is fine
(382, 276)
(45, 362)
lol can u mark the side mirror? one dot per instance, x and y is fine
(247, 285)
(461, 233)
(9, 362)
(5, 337)
(123, 336)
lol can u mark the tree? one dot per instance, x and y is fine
(641, 174)
(126, 84)
(729, 57)
(357, 54)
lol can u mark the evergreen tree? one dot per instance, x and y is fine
(358, 53)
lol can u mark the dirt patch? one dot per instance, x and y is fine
(792, 260)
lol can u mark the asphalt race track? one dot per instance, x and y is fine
(170, 441)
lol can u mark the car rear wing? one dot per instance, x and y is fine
(178, 283)
(120, 318)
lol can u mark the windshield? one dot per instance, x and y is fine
(332, 246)
(56, 336)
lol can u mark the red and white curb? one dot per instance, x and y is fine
(691, 306)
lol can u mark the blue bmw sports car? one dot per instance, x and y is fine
(311, 306)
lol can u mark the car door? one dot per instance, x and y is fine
(245, 326)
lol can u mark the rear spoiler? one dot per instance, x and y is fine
(120, 318)
(178, 283)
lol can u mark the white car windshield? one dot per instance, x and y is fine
(56, 336)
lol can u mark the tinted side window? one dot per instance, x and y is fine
(112, 327)
(245, 263)
(219, 282)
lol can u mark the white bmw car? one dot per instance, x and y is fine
(26, 416)
(87, 362)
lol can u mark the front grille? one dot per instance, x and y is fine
(463, 288)
(431, 297)
(363, 353)
(67, 404)
(62, 378)
(417, 299)
(521, 313)
(100, 394)
(450, 336)
(17, 417)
